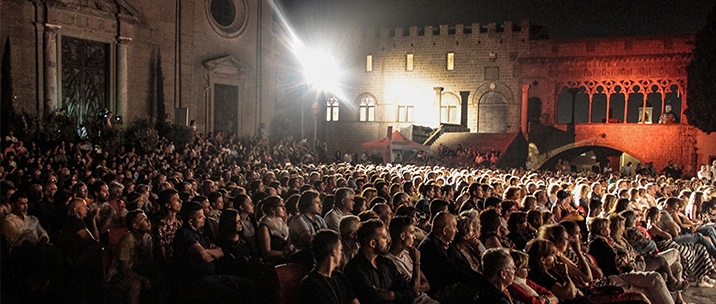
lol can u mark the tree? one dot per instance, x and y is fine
(161, 110)
(701, 97)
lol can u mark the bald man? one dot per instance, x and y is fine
(451, 278)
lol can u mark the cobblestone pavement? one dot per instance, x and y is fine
(700, 295)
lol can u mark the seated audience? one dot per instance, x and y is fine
(132, 268)
(374, 278)
(407, 258)
(325, 284)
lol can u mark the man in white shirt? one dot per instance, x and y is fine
(343, 204)
(704, 173)
(18, 227)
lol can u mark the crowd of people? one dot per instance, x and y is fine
(210, 221)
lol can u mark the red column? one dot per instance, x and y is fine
(525, 100)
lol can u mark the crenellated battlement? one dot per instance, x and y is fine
(509, 29)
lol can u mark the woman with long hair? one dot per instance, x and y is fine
(546, 271)
(239, 258)
(272, 234)
(522, 288)
(608, 202)
(466, 244)
(568, 246)
(490, 233)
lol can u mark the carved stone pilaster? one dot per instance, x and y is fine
(51, 68)
(122, 76)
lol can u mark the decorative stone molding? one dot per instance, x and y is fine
(237, 23)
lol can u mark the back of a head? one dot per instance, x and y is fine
(323, 244)
(349, 224)
(437, 206)
(551, 232)
(188, 210)
(492, 201)
(341, 194)
(368, 230)
(441, 221)
(398, 225)
(494, 260)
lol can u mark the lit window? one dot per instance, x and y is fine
(409, 62)
(406, 113)
(369, 63)
(332, 109)
(450, 61)
(448, 114)
(367, 109)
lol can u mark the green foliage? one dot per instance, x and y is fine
(701, 111)
(143, 135)
(106, 137)
(180, 135)
(26, 125)
(58, 128)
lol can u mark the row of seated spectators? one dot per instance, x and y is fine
(203, 223)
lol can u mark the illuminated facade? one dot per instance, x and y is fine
(510, 78)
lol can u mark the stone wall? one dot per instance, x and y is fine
(148, 29)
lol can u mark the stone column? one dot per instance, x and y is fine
(525, 102)
(122, 76)
(439, 99)
(51, 71)
(464, 95)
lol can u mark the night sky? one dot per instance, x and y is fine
(564, 18)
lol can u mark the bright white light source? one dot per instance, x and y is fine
(319, 68)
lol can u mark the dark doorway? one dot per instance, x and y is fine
(85, 77)
(226, 108)
(534, 110)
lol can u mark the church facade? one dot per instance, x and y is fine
(216, 58)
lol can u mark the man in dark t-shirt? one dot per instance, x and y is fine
(324, 284)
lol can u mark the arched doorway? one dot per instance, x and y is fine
(492, 113)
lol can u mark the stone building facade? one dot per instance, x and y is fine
(511, 78)
(216, 56)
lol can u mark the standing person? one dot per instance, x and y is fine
(325, 284)
(374, 278)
